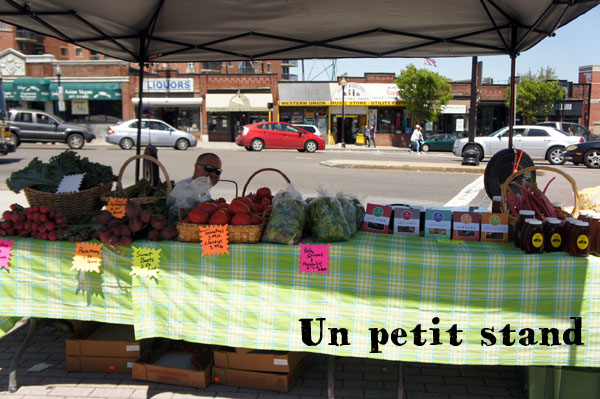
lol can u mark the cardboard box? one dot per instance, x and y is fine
(438, 223)
(407, 221)
(98, 364)
(465, 226)
(280, 382)
(377, 218)
(494, 227)
(103, 347)
(171, 367)
(257, 360)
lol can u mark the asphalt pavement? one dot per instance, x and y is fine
(354, 378)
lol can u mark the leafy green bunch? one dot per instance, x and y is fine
(47, 176)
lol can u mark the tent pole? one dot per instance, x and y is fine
(142, 60)
(511, 117)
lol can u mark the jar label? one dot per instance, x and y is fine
(583, 241)
(537, 240)
(556, 240)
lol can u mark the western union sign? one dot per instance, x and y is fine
(328, 103)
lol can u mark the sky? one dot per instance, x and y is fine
(576, 44)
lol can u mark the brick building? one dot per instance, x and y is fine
(212, 99)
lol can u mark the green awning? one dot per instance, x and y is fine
(31, 89)
(87, 91)
(9, 91)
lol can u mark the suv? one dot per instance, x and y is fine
(572, 128)
(30, 125)
(309, 128)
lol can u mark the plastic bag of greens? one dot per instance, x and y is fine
(327, 220)
(360, 211)
(349, 212)
(288, 218)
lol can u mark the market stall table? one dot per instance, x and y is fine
(254, 297)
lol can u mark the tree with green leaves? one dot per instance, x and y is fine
(536, 93)
(423, 92)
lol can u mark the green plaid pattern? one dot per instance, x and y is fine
(254, 297)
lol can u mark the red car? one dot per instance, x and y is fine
(261, 135)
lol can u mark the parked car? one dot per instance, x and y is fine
(310, 128)
(440, 142)
(572, 128)
(154, 131)
(261, 135)
(586, 153)
(30, 125)
(542, 142)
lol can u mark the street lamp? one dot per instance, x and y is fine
(61, 97)
(343, 84)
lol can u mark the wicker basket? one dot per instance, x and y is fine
(78, 207)
(119, 192)
(504, 206)
(190, 232)
(260, 171)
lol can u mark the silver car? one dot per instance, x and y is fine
(541, 142)
(309, 128)
(154, 131)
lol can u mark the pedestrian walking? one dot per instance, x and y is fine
(415, 140)
(372, 136)
(366, 134)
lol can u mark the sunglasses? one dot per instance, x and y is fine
(210, 169)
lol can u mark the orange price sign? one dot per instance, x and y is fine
(88, 257)
(214, 239)
(116, 206)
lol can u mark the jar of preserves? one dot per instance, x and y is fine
(497, 204)
(595, 234)
(532, 240)
(523, 214)
(553, 239)
(579, 239)
(567, 227)
(584, 215)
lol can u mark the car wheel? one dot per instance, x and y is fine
(14, 138)
(248, 148)
(126, 143)
(556, 156)
(75, 141)
(591, 159)
(425, 147)
(182, 144)
(310, 146)
(257, 145)
(477, 148)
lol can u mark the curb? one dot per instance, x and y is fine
(402, 166)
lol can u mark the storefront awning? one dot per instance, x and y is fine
(9, 91)
(87, 91)
(230, 102)
(31, 89)
(176, 101)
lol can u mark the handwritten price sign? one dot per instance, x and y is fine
(88, 257)
(116, 206)
(314, 258)
(214, 239)
(5, 253)
(145, 261)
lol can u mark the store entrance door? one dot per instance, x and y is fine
(353, 126)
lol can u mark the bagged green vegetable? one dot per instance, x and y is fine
(286, 223)
(349, 212)
(360, 212)
(327, 220)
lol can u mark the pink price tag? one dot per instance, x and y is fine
(314, 258)
(5, 253)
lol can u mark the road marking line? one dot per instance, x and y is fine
(467, 194)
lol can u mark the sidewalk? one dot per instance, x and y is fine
(354, 378)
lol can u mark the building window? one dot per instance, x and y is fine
(4, 26)
(94, 55)
(78, 52)
(191, 67)
(22, 46)
(64, 52)
(269, 67)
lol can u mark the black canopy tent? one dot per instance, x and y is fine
(144, 31)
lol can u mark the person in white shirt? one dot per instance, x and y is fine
(415, 140)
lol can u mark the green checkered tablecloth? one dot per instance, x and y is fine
(254, 297)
